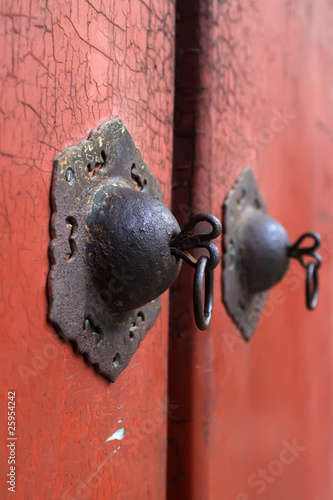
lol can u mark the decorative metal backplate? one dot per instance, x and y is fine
(108, 339)
(244, 307)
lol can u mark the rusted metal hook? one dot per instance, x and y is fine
(296, 251)
(204, 266)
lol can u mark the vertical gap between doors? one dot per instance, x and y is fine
(181, 324)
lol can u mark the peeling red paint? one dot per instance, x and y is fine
(239, 65)
(65, 67)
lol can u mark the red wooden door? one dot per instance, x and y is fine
(65, 67)
(254, 86)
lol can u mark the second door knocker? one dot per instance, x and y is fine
(257, 253)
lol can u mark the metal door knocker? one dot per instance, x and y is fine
(116, 248)
(256, 255)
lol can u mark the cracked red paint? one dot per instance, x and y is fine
(239, 64)
(65, 67)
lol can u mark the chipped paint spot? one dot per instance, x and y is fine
(119, 434)
(120, 407)
(120, 420)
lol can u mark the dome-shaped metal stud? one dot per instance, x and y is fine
(256, 255)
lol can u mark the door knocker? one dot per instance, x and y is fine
(257, 253)
(116, 248)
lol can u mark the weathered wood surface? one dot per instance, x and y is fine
(254, 85)
(65, 67)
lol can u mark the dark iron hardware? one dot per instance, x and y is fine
(116, 248)
(257, 254)
(296, 251)
(204, 266)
